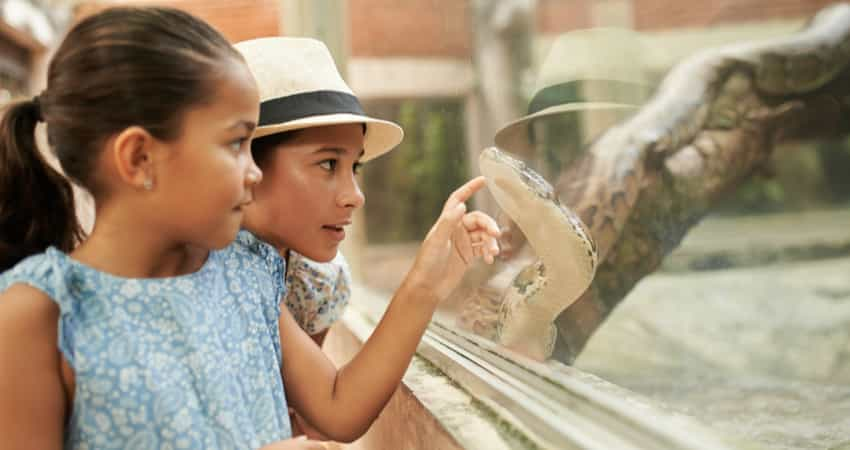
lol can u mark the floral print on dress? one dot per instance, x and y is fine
(186, 362)
(317, 293)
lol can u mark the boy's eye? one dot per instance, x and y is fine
(328, 164)
(237, 145)
(357, 167)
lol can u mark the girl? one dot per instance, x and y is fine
(311, 139)
(142, 337)
(143, 108)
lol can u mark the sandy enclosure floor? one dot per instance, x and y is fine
(760, 353)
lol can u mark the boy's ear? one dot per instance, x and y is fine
(134, 151)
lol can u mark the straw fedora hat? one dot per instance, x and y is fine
(300, 87)
(586, 71)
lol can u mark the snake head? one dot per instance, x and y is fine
(523, 194)
(509, 178)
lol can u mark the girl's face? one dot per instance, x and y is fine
(309, 192)
(209, 173)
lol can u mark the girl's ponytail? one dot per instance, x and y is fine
(36, 201)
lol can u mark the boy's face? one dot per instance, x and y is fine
(309, 191)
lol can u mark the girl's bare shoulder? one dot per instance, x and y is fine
(32, 373)
(24, 310)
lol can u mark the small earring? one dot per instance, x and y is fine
(148, 184)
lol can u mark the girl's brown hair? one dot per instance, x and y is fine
(119, 68)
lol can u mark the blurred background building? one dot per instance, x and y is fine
(451, 72)
(27, 30)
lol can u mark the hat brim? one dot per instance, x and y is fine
(513, 137)
(381, 135)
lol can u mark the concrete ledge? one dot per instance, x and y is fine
(405, 422)
(428, 411)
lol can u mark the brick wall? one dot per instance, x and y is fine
(418, 28)
(558, 16)
(236, 19)
(661, 14)
(440, 28)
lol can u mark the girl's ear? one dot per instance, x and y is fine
(133, 151)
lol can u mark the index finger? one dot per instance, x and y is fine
(462, 194)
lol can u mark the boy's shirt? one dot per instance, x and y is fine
(317, 293)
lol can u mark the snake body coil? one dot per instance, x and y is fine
(566, 251)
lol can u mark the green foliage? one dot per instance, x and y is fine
(405, 189)
(559, 139)
(835, 160)
(805, 176)
(756, 195)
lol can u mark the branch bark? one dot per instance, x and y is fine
(502, 31)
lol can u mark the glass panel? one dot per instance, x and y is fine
(721, 289)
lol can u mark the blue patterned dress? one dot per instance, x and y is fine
(186, 362)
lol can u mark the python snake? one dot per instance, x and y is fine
(566, 252)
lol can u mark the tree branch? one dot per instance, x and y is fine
(713, 123)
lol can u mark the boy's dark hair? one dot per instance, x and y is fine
(261, 147)
(119, 68)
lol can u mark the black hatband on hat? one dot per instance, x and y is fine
(604, 91)
(308, 104)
